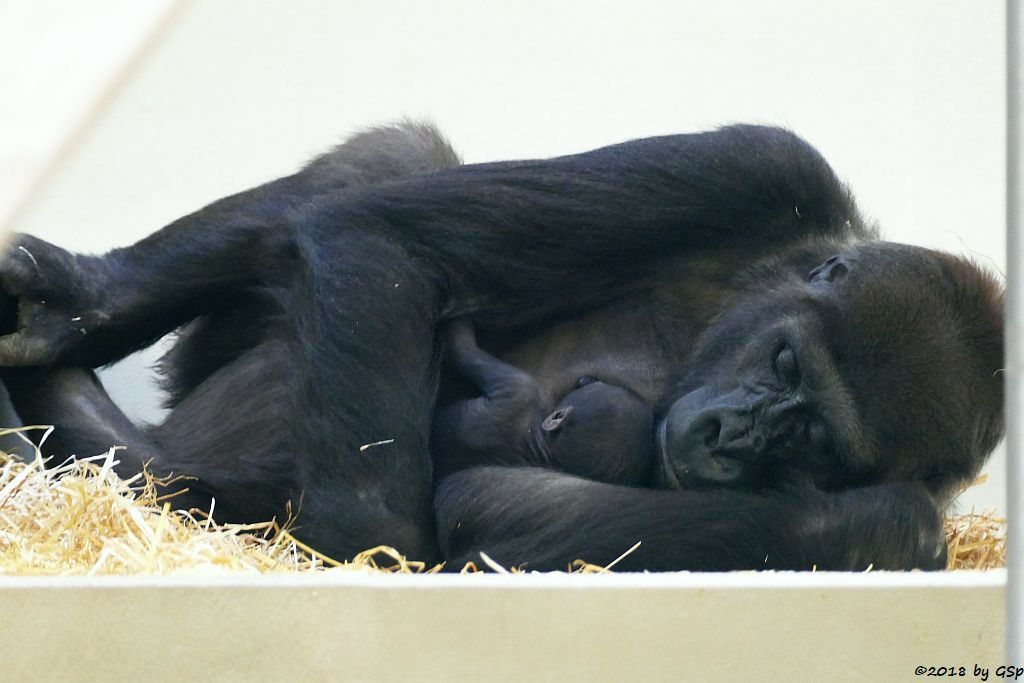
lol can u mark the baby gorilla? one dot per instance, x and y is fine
(599, 431)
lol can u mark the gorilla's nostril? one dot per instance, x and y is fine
(712, 431)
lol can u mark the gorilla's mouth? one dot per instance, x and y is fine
(668, 474)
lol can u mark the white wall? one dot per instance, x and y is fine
(906, 100)
(345, 626)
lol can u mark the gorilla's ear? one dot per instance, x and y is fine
(553, 422)
(831, 270)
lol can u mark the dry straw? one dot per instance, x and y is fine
(80, 518)
(976, 541)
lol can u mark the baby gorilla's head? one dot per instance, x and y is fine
(602, 432)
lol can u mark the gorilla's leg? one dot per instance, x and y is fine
(89, 423)
(285, 421)
(360, 377)
(266, 432)
(269, 410)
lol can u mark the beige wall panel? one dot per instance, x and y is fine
(771, 627)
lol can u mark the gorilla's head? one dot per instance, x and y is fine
(594, 427)
(878, 362)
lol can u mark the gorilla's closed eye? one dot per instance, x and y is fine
(785, 367)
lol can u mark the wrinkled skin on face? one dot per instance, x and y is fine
(830, 377)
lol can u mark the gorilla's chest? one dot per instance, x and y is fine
(628, 344)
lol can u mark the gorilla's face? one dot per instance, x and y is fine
(848, 372)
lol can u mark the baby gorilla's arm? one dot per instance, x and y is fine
(598, 431)
(496, 427)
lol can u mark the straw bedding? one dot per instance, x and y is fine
(80, 518)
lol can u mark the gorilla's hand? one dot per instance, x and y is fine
(890, 526)
(53, 301)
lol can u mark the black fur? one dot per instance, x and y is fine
(680, 268)
(598, 431)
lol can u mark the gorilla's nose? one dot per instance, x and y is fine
(728, 432)
(738, 436)
(715, 445)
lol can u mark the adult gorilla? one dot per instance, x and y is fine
(818, 393)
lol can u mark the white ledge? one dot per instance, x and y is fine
(527, 580)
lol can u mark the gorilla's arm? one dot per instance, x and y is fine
(513, 243)
(494, 427)
(544, 520)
